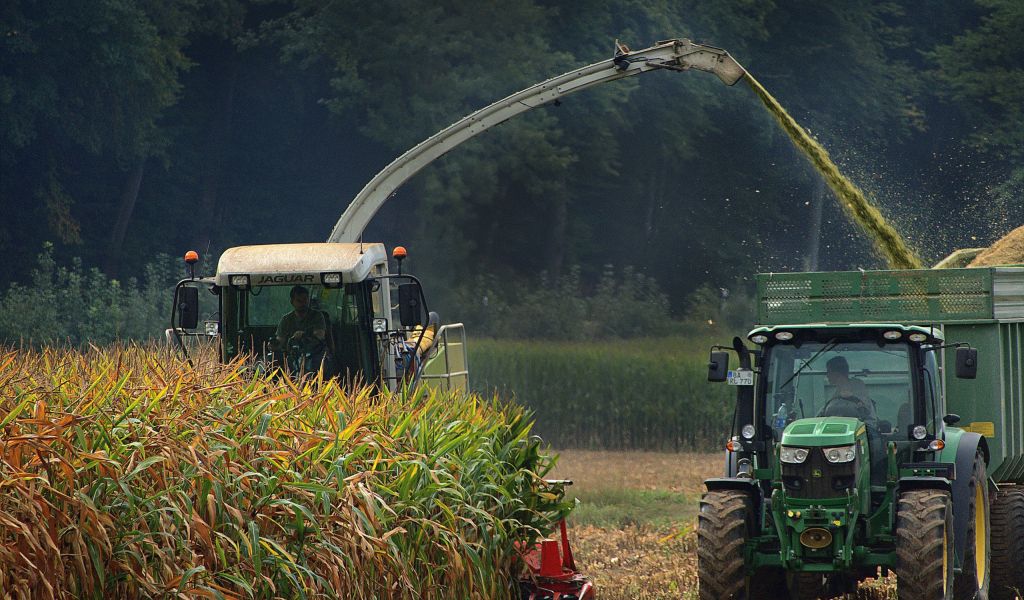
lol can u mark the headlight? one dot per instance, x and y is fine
(919, 432)
(240, 281)
(840, 454)
(793, 456)
(331, 279)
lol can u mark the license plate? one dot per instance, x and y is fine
(740, 377)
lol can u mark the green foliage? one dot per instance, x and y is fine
(622, 304)
(77, 306)
(132, 474)
(241, 110)
(982, 71)
(646, 394)
(715, 309)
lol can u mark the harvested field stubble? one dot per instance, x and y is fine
(127, 474)
(653, 555)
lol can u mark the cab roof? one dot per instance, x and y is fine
(935, 335)
(272, 264)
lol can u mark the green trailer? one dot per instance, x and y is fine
(879, 427)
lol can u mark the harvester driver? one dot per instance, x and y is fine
(303, 326)
(851, 396)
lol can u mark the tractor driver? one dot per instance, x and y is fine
(303, 326)
(851, 396)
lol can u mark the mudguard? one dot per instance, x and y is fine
(967, 445)
(924, 483)
(742, 484)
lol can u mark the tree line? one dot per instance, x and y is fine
(130, 128)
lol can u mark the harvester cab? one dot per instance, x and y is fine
(329, 307)
(859, 447)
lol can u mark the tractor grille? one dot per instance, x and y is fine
(818, 478)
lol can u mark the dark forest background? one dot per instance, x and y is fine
(131, 129)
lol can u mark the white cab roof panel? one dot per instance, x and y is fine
(288, 264)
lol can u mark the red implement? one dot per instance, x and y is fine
(552, 572)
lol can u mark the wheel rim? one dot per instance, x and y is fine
(980, 536)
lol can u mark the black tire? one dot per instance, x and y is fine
(924, 545)
(723, 526)
(973, 581)
(1007, 544)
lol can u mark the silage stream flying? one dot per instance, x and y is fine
(887, 241)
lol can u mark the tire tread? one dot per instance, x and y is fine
(1007, 543)
(920, 519)
(723, 527)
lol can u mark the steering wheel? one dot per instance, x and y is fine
(300, 352)
(862, 408)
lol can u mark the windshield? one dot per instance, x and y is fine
(331, 324)
(268, 305)
(847, 379)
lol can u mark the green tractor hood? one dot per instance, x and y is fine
(822, 431)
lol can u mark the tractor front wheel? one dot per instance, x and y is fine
(1007, 543)
(723, 527)
(924, 545)
(973, 581)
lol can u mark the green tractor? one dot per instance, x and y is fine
(879, 427)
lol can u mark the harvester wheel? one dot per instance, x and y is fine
(973, 581)
(724, 524)
(924, 545)
(1007, 543)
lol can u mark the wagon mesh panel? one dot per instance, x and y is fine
(921, 296)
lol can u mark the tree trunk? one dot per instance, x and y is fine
(208, 218)
(656, 193)
(129, 196)
(557, 242)
(814, 234)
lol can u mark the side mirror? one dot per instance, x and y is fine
(410, 309)
(967, 363)
(188, 307)
(718, 366)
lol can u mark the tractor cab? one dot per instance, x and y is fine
(849, 392)
(325, 307)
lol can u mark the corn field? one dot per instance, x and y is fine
(128, 474)
(644, 394)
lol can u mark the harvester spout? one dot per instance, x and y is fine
(673, 55)
(687, 55)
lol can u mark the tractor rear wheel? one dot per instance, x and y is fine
(1007, 543)
(724, 524)
(924, 545)
(973, 580)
